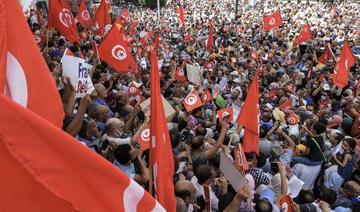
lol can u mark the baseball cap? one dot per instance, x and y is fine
(268, 194)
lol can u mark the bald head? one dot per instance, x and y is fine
(111, 122)
(184, 185)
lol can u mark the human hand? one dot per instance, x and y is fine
(243, 194)
(85, 102)
(282, 168)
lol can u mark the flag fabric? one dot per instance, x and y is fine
(206, 97)
(125, 14)
(227, 112)
(192, 101)
(24, 73)
(61, 18)
(83, 15)
(143, 138)
(325, 56)
(292, 119)
(55, 172)
(161, 157)
(250, 108)
(133, 89)
(180, 12)
(272, 21)
(180, 74)
(115, 51)
(132, 28)
(304, 35)
(210, 41)
(286, 106)
(102, 18)
(240, 159)
(346, 60)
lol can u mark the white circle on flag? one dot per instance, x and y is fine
(205, 97)
(65, 17)
(272, 21)
(291, 120)
(16, 86)
(132, 90)
(107, 28)
(145, 134)
(181, 72)
(191, 99)
(85, 15)
(225, 114)
(118, 52)
(284, 207)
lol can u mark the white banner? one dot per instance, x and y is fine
(79, 73)
(193, 74)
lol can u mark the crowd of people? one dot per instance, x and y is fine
(314, 161)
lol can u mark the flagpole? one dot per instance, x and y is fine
(158, 5)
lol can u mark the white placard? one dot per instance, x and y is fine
(236, 179)
(193, 74)
(79, 73)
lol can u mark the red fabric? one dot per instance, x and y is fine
(125, 13)
(134, 90)
(292, 119)
(23, 71)
(272, 21)
(132, 28)
(115, 51)
(286, 106)
(250, 108)
(346, 60)
(325, 56)
(304, 35)
(180, 74)
(226, 112)
(180, 12)
(54, 172)
(102, 18)
(206, 97)
(143, 138)
(210, 41)
(84, 16)
(192, 101)
(61, 18)
(156, 42)
(161, 157)
(240, 159)
(254, 54)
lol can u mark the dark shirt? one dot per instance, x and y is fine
(315, 154)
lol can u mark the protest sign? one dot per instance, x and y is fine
(168, 109)
(236, 178)
(193, 74)
(79, 73)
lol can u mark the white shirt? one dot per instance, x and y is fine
(307, 174)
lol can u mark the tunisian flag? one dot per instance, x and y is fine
(272, 21)
(102, 18)
(304, 35)
(325, 56)
(210, 41)
(55, 172)
(24, 75)
(192, 101)
(161, 157)
(115, 51)
(61, 18)
(83, 15)
(249, 117)
(346, 60)
(180, 12)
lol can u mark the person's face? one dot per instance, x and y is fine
(345, 146)
(104, 114)
(92, 129)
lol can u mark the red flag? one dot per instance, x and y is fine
(84, 16)
(39, 40)
(192, 101)
(134, 90)
(286, 203)
(115, 51)
(102, 18)
(143, 138)
(180, 12)
(325, 56)
(39, 17)
(61, 18)
(304, 35)
(254, 54)
(161, 157)
(346, 60)
(286, 106)
(210, 41)
(24, 73)
(292, 119)
(125, 14)
(227, 112)
(272, 21)
(206, 97)
(187, 37)
(240, 159)
(180, 74)
(132, 28)
(50, 168)
(250, 108)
